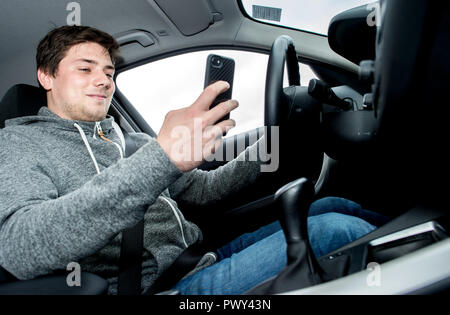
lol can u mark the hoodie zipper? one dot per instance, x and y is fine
(100, 131)
(102, 135)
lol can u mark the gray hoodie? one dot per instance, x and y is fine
(66, 195)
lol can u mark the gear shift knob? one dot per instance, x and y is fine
(294, 200)
(302, 270)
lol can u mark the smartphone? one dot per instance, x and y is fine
(220, 68)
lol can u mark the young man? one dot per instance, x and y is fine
(67, 192)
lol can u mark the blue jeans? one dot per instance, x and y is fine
(255, 257)
(348, 207)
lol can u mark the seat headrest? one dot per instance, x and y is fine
(21, 100)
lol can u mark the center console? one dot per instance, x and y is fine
(408, 255)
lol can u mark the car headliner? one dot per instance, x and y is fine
(23, 23)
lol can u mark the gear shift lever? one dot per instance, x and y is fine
(302, 269)
(294, 200)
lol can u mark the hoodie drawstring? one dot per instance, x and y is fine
(100, 133)
(88, 147)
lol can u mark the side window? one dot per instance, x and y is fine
(175, 82)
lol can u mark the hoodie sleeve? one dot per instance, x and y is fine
(200, 187)
(41, 231)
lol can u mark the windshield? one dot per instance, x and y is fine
(308, 15)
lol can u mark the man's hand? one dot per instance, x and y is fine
(189, 135)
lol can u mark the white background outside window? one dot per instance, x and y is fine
(175, 82)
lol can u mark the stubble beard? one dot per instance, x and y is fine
(82, 112)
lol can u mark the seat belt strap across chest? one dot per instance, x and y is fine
(130, 263)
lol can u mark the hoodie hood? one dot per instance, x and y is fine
(86, 129)
(47, 116)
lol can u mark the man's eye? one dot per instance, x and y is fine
(109, 75)
(84, 70)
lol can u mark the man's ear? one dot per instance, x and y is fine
(45, 79)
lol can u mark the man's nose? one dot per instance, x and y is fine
(102, 80)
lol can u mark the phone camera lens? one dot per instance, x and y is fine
(216, 62)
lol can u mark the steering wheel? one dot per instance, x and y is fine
(291, 116)
(276, 101)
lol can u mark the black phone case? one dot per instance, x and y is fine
(214, 73)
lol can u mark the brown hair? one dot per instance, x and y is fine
(54, 46)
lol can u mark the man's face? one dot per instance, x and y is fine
(83, 85)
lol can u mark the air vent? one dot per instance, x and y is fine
(266, 13)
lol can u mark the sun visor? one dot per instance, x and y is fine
(352, 33)
(189, 16)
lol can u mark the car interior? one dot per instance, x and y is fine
(371, 128)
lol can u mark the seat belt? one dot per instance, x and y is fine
(185, 263)
(132, 246)
(130, 262)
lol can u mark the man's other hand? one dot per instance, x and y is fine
(189, 135)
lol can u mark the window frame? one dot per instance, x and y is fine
(139, 120)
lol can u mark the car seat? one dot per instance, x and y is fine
(26, 100)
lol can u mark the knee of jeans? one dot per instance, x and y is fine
(333, 204)
(332, 230)
(350, 228)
